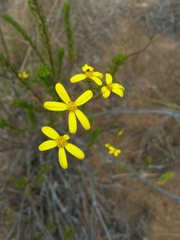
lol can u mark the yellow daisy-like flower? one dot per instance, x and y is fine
(62, 143)
(71, 106)
(114, 151)
(23, 75)
(88, 73)
(114, 87)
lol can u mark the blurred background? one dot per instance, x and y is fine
(101, 197)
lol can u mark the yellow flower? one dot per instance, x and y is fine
(120, 133)
(71, 106)
(114, 151)
(23, 75)
(62, 143)
(88, 73)
(114, 87)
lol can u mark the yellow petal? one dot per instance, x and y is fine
(118, 92)
(62, 158)
(98, 74)
(117, 152)
(67, 137)
(104, 89)
(86, 67)
(78, 77)
(24, 74)
(75, 151)
(107, 145)
(47, 145)
(106, 92)
(50, 132)
(55, 106)
(61, 91)
(72, 122)
(83, 119)
(117, 85)
(86, 96)
(96, 80)
(108, 78)
(111, 150)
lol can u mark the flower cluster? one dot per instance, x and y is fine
(74, 113)
(112, 150)
(97, 77)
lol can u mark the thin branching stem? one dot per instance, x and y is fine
(95, 205)
(47, 38)
(115, 111)
(142, 50)
(4, 44)
(24, 83)
(131, 169)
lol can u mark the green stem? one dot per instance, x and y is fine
(46, 38)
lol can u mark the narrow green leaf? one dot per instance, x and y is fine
(93, 136)
(149, 160)
(165, 178)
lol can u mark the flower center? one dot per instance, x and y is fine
(88, 73)
(61, 142)
(109, 86)
(71, 106)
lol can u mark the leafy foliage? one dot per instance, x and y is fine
(44, 74)
(93, 136)
(68, 233)
(23, 32)
(44, 32)
(59, 62)
(116, 62)
(69, 31)
(43, 71)
(10, 67)
(29, 108)
(4, 123)
(165, 178)
(121, 168)
(149, 161)
(21, 183)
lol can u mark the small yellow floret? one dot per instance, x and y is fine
(111, 87)
(88, 68)
(61, 141)
(120, 133)
(71, 106)
(23, 75)
(88, 73)
(112, 150)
